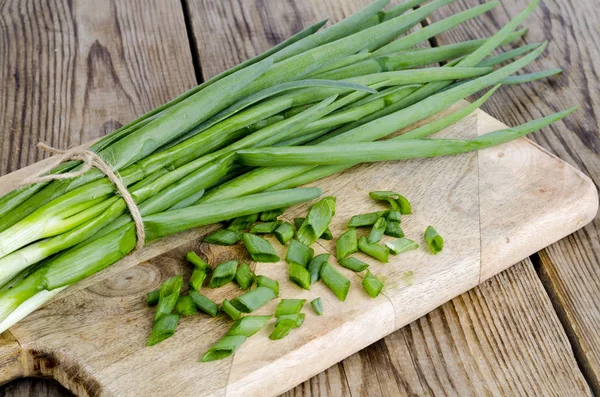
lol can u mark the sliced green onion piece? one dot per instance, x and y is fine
(223, 274)
(366, 219)
(300, 275)
(194, 259)
(354, 264)
(204, 304)
(317, 305)
(265, 227)
(253, 300)
(299, 254)
(242, 223)
(393, 229)
(336, 281)
(197, 279)
(403, 204)
(377, 251)
(259, 249)
(394, 216)
(230, 310)
(326, 234)
(223, 348)
(223, 237)
(401, 245)
(314, 267)
(434, 240)
(317, 220)
(169, 293)
(282, 329)
(346, 244)
(248, 325)
(377, 231)
(271, 215)
(152, 297)
(284, 232)
(264, 281)
(185, 306)
(289, 306)
(297, 318)
(163, 328)
(244, 276)
(298, 222)
(372, 285)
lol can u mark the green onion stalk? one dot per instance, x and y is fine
(243, 142)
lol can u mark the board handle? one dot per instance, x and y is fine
(12, 358)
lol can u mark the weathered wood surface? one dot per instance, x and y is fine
(429, 372)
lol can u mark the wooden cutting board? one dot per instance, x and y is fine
(493, 208)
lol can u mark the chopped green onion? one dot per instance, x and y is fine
(346, 244)
(298, 224)
(299, 254)
(327, 235)
(169, 293)
(300, 275)
(223, 348)
(248, 325)
(289, 306)
(152, 297)
(366, 219)
(244, 276)
(185, 306)
(271, 215)
(230, 310)
(377, 231)
(377, 251)
(194, 259)
(314, 267)
(403, 204)
(223, 237)
(205, 304)
(434, 240)
(401, 245)
(223, 274)
(317, 305)
(284, 232)
(254, 299)
(336, 281)
(259, 249)
(242, 223)
(393, 229)
(163, 328)
(266, 227)
(197, 279)
(372, 285)
(264, 281)
(297, 318)
(354, 264)
(317, 220)
(282, 329)
(394, 216)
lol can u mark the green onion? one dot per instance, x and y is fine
(299, 254)
(529, 77)
(163, 328)
(298, 224)
(242, 223)
(152, 297)
(327, 235)
(254, 299)
(169, 293)
(377, 231)
(223, 348)
(282, 329)
(264, 281)
(317, 220)
(401, 245)
(266, 227)
(393, 229)
(300, 275)
(336, 281)
(402, 203)
(244, 276)
(198, 263)
(248, 325)
(185, 306)
(346, 244)
(230, 309)
(289, 306)
(297, 318)
(314, 267)
(197, 279)
(354, 264)
(317, 306)
(223, 237)
(434, 241)
(205, 304)
(284, 232)
(366, 219)
(372, 285)
(259, 249)
(377, 251)
(271, 215)
(394, 216)
(223, 274)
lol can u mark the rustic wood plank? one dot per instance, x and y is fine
(568, 268)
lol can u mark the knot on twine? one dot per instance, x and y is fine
(89, 160)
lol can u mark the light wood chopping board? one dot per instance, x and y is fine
(493, 208)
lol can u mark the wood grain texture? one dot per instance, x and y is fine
(569, 268)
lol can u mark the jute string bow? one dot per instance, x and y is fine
(89, 160)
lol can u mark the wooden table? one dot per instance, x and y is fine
(72, 70)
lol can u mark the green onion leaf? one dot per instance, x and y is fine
(299, 254)
(282, 329)
(434, 240)
(300, 275)
(230, 310)
(403, 204)
(393, 229)
(259, 249)
(297, 318)
(152, 297)
(394, 215)
(284, 232)
(354, 264)
(377, 251)
(326, 234)
(346, 244)
(377, 231)
(317, 220)
(185, 306)
(197, 279)
(271, 215)
(223, 237)
(317, 305)
(169, 293)
(242, 223)
(314, 267)
(163, 328)
(401, 245)
(253, 300)
(244, 276)
(194, 259)
(366, 219)
(266, 227)
(264, 281)
(336, 281)
(204, 304)
(289, 306)
(248, 325)
(223, 274)
(372, 285)
(223, 348)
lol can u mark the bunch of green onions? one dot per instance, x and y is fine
(242, 142)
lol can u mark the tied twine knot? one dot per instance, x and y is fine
(90, 159)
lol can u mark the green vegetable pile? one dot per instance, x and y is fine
(241, 143)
